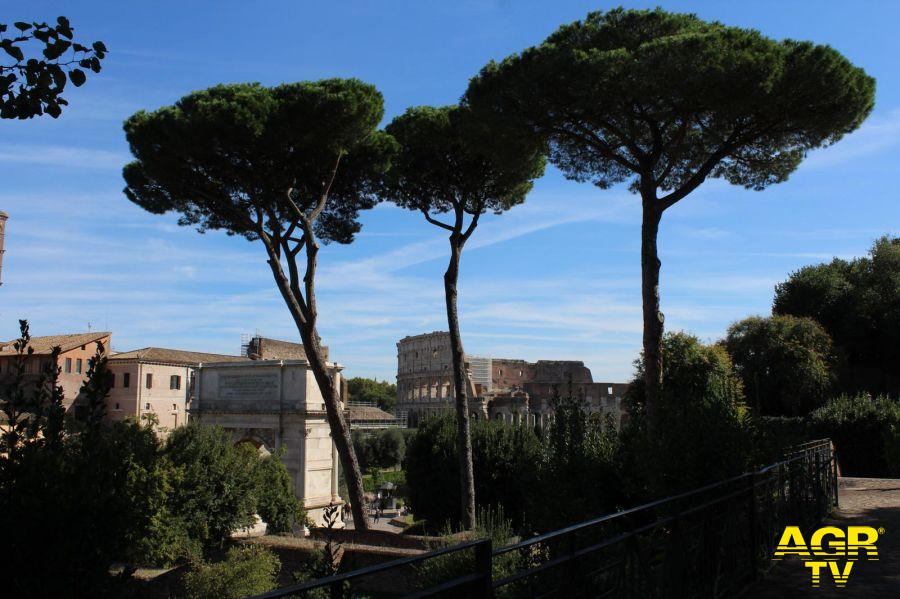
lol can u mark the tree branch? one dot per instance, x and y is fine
(326, 189)
(471, 228)
(434, 221)
(700, 175)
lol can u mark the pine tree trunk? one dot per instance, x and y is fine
(653, 317)
(464, 439)
(306, 326)
(340, 429)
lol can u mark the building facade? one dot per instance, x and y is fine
(275, 404)
(425, 375)
(76, 350)
(155, 384)
(510, 390)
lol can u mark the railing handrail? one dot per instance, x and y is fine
(656, 503)
(756, 478)
(373, 569)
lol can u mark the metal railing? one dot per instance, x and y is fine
(708, 542)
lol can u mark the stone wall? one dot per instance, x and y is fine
(275, 404)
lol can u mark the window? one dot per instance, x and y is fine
(609, 390)
(78, 365)
(68, 365)
(148, 382)
(174, 407)
(147, 406)
(126, 379)
(174, 382)
(117, 406)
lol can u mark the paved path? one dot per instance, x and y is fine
(863, 502)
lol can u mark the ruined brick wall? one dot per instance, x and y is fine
(509, 374)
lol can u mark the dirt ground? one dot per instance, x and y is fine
(863, 502)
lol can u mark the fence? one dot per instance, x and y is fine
(708, 542)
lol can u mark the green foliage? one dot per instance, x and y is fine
(78, 502)
(378, 477)
(445, 165)
(699, 433)
(783, 361)
(381, 393)
(858, 303)
(245, 157)
(863, 430)
(213, 486)
(379, 449)
(247, 570)
(501, 455)
(276, 503)
(579, 461)
(704, 100)
(490, 523)
(892, 450)
(33, 84)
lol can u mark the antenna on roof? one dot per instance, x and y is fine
(89, 326)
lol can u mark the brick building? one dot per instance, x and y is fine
(75, 352)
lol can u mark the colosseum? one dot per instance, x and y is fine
(509, 390)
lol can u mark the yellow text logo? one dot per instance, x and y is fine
(830, 550)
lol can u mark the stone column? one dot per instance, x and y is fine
(335, 487)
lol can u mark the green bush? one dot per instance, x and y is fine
(213, 489)
(700, 431)
(379, 449)
(276, 503)
(576, 475)
(503, 457)
(863, 430)
(784, 362)
(490, 523)
(247, 570)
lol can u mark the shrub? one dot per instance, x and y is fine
(379, 449)
(213, 489)
(783, 361)
(576, 474)
(247, 570)
(390, 447)
(503, 459)
(276, 503)
(700, 432)
(863, 431)
(490, 523)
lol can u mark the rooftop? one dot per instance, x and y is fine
(44, 345)
(173, 356)
(357, 412)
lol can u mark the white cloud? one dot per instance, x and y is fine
(880, 132)
(62, 156)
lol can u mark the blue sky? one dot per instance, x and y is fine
(555, 278)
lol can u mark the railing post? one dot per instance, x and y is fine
(483, 567)
(754, 536)
(834, 476)
(820, 491)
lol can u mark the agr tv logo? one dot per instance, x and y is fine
(828, 547)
